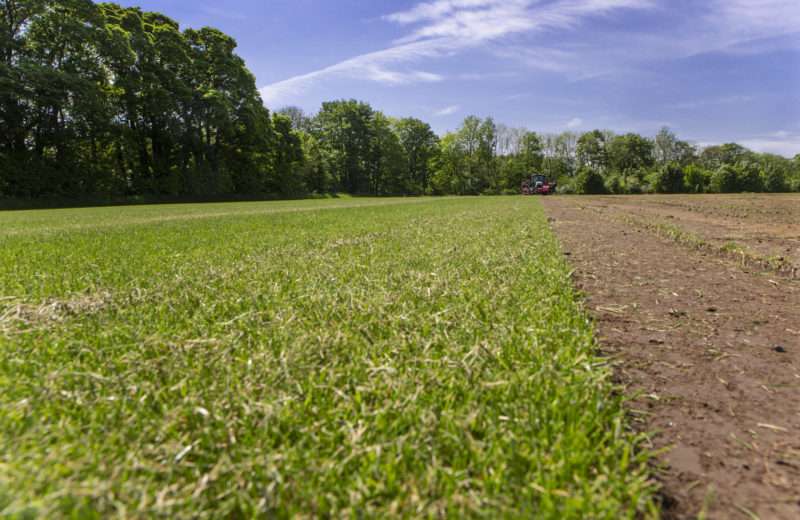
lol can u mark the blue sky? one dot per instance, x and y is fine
(714, 71)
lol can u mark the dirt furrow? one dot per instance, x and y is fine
(714, 348)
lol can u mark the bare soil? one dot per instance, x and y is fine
(710, 346)
(767, 225)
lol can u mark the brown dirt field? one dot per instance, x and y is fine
(696, 333)
(767, 225)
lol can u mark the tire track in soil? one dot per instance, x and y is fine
(695, 334)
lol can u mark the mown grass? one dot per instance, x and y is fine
(359, 358)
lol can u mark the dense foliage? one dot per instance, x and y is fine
(101, 99)
(97, 99)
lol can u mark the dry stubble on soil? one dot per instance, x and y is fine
(694, 327)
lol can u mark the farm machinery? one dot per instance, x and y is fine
(538, 185)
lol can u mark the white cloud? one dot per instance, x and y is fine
(436, 10)
(780, 142)
(222, 13)
(724, 100)
(492, 75)
(470, 26)
(449, 27)
(447, 111)
(542, 57)
(732, 26)
(744, 20)
(575, 123)
(513, 29)
(371, 67)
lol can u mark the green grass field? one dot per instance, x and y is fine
(336, 358)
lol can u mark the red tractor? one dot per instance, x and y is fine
(538, 185)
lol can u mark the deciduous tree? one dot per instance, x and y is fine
(421, 148)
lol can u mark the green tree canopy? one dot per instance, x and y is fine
(589, 182)
(421, 148)
(591, 150)
(630, 152)
(669, 179)
(103, 99)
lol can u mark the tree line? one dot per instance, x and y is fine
(99, 99)
(350, 147)
(604, 162)
(103, 99)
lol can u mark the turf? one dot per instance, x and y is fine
(338, 358)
